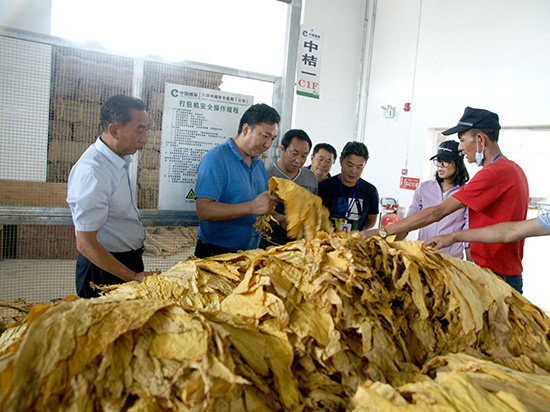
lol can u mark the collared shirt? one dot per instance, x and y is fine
(101, 198)
(225, 177)
(544, 220)
(499, 192)
(429, 194)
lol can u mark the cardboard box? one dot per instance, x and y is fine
(33, 194)
(59, 172)
(67, 110)
(60, 129)
(147, 198)
(68, 67)
(65, 151)
(90, 91)
(149, 159)
(156, 101)
(86, 132)
(65, 87)
(154, 137)
(90, 71)
(148, 179)
(112, 75)
(46, 242)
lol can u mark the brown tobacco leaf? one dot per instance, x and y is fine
(308, 326)
(461, 384)
(305, 214)
(395, 305)
(112, 354)
(195, 283)
(263, 225)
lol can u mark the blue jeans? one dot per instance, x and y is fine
(514, 281)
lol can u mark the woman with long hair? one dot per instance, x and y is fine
(451, 175)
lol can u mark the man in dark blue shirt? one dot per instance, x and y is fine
(231, 188)
(351, 201)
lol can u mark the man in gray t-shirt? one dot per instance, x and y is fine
(295, 148)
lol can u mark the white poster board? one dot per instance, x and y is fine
(194, 121)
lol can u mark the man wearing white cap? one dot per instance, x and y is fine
(497, 193)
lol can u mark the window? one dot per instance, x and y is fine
(242, 34)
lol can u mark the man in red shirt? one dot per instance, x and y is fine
(497, 193)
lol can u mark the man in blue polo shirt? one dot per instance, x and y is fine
(231, 188)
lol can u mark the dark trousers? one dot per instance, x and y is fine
(514, 281)
(203, 250)
(87, 272)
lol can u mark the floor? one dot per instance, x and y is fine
(37, 281)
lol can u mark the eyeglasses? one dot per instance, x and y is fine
(441, 163)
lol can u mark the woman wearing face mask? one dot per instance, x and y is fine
(451, 175)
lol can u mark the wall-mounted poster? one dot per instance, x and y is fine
(194, 121)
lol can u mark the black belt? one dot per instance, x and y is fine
(130, 253)
(206, 249)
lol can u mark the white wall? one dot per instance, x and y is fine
(331, 118)
(439, 55)
(481, 53)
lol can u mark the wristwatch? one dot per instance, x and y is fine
(382, 232)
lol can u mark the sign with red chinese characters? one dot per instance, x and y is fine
(410, 183)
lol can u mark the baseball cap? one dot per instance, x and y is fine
(447, 151)
(475, 119)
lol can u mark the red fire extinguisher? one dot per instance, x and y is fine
(388, 213)
(389, 218)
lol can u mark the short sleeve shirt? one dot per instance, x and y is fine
(102, 199)
(350, 205)
(497, 193)
(225, 177)
(305, 177)
(544, 220)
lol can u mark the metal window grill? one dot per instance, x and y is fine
(50, 102)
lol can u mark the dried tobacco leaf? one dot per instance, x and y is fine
(306, 326)
(305, 214)
(461, 384)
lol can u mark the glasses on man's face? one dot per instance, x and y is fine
(441, 163)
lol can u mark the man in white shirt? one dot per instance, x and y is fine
(109, 232)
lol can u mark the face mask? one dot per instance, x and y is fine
(479, 155)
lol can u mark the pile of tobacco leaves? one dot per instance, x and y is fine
(336, 323)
